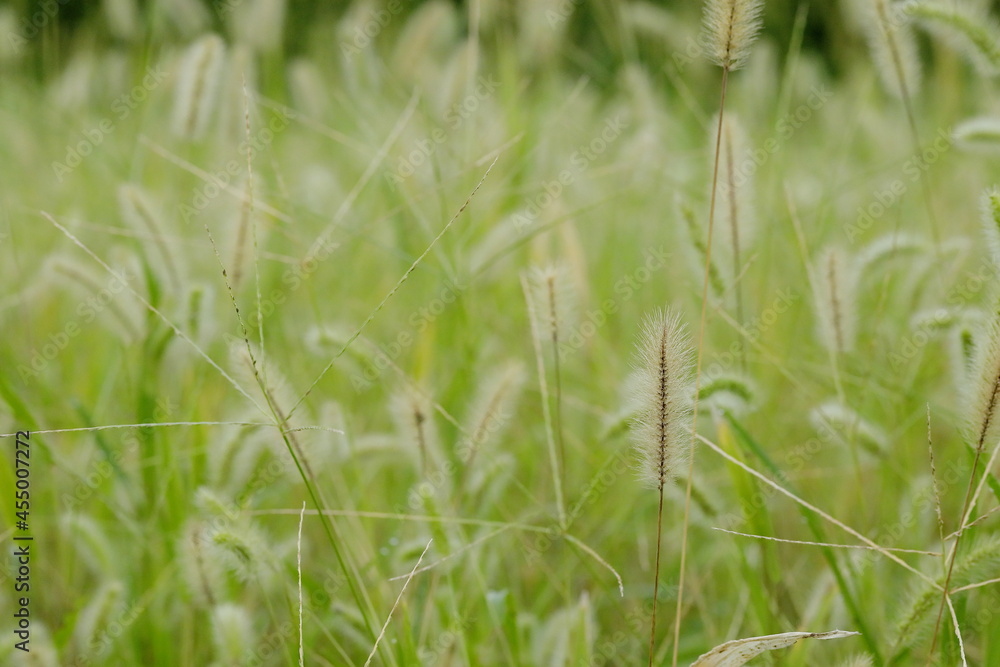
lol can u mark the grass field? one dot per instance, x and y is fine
(398, 275)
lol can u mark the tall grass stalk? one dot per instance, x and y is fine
(664, 394)
(899, 64)
(536, 338)
(732, 25)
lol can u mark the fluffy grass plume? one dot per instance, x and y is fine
(728, 392)
(966, 27)
(664, 391)
(893, 47)
(847, 426)
(889, 247)
(232, 633)
(984, 391)
(732, 26)
(414, 415)
(553, 312)
(736, 187)
(490, 409)
(735, 191)
(197, 86)
(978, 563)
(141, 215)
(835, 285)
(980, 134)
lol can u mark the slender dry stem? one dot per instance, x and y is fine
(694, 418)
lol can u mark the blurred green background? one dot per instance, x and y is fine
(602, 31)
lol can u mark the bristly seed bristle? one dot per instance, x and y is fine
(983, 400)
(664, 391)
(197, 86)
(835, 285)
(893, 47)
(732, 26)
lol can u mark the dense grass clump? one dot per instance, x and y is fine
(327, 349)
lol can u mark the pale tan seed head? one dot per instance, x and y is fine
(732, 26)
(664, 392)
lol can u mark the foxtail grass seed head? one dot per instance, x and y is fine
(847, 427)
(729, 393)
(735, 190)
(554, 302)
(307, 88)
(430, 31)
(983, 399)
(190, 17)
(890, 247)
(198, 86)
(935, 320)
(965, 26)
(732, 27)
(201, 571)
(893, 47)
(491, 408)
(978, 135)
(123, 18)
(232, 633)
(139, 213)
(664, 388)
(259, 24)
(232, 462)
(414, 416)
(977, 562)
(121, 314)
(835, 284)
(962, 348)
(242, 550)
(91, 544)
(104, 606)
